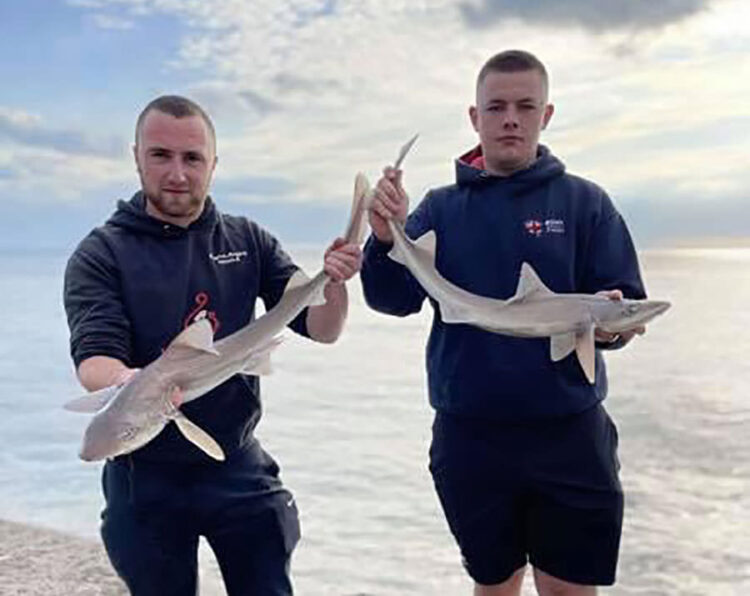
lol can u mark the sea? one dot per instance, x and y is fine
(350, 425)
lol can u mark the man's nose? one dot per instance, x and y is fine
(177, 171)
(510, 118)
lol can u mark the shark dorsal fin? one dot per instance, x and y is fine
(199, 336)
(529, 284)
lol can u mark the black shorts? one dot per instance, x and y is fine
(546, 492)
(155, 513)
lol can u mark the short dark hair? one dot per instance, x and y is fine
(514, 61)
(177, 106)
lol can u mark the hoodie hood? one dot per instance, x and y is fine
(470, 170)
(132, 216)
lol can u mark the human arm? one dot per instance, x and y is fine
(98, 372)
(99, 327)
(341, 262)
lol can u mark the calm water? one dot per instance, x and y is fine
(350, 425)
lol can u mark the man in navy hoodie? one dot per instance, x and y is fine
(523, 454)
(167, 257)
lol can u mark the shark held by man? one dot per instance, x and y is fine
(130, 415)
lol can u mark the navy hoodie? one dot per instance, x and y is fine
(133, 284)
(486, 226)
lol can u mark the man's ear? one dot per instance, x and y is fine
(474, 117)
(549, 109)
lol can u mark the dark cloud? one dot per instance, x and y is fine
(65, 141)
(258, 102)
(292, 83)
(598, 16)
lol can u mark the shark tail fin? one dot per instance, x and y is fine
(199, 437)
(199, 336)
(529, 284)
(92, 402)
(355, 230)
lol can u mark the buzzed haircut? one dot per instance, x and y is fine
(177, 106)
(514, 61)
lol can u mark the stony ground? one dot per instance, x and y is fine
(35, 561)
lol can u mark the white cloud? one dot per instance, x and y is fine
(313, 90)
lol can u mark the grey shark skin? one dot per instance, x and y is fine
(129, 416)
(534, 310)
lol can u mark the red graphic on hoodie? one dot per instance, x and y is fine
(200, 312)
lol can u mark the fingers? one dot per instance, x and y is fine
(389, 200)
(611, 294)
(605, 336)
(176, 396)
(342, 261)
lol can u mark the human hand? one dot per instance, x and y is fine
(389, 201)
(607, 337)
(342, 261)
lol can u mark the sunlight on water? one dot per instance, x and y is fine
(350, 424)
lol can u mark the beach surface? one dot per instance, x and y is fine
(44, 562)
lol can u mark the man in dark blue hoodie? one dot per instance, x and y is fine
(166, 258)
(523, 454)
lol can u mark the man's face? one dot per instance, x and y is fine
(510, 113)
(175, 159)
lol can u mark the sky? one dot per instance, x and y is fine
(651, 101)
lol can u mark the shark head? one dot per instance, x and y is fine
(114, 430)
(616, 316)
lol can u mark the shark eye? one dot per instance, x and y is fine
(632, 309)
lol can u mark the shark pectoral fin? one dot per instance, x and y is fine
(199, 336)
(199, 437)
(586, 352)
(529, 283)
(561, 345)
(92, 402)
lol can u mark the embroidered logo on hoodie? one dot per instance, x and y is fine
(536, 228)
(226, 258)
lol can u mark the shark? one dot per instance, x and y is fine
(126, 417)
(534, 311)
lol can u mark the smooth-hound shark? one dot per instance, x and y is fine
(130, 415)
(569, 320)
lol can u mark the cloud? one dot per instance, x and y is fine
(598, 16)
(26, 129)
